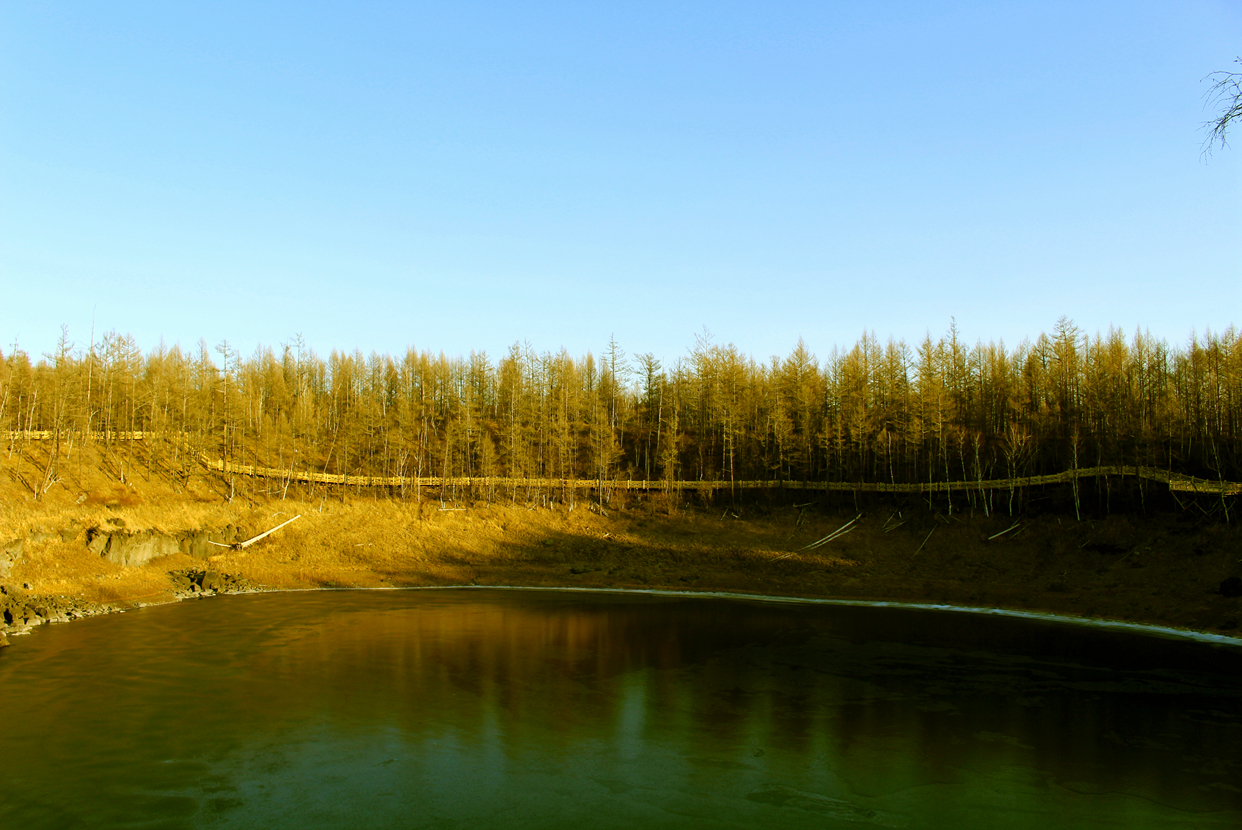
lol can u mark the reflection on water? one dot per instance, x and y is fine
(488, 708)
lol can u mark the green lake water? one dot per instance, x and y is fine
(488, 708)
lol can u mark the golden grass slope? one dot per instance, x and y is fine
(1160, 569)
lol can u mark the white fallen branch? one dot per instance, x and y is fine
(253, 539)
(1003, 532)
(840, 531)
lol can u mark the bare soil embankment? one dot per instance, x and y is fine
(119, 547)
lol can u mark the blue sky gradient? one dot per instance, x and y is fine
(384, 175)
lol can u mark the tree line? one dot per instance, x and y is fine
(941, 410)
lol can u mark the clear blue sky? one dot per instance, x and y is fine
(458, 177)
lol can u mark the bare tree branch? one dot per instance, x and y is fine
(1225, 93)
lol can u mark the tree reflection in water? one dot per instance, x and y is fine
(504, 708)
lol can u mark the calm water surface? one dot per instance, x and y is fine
(492, 708)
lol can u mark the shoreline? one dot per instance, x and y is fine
(1146, 629)
(1158, 574)
(1044, 616)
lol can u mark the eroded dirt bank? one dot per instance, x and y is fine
(78, 560)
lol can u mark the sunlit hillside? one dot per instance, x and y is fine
(524, 425)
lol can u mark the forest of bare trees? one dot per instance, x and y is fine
(940, 410)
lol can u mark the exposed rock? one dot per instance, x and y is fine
(97, 541)
(212, 581)
(19, 612)
(4, 641)
(1232, 587)
(193, 582)
(199, 544)
(134, 549)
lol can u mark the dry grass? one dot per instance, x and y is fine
(365, 542)
(67, 568)
(87, 494)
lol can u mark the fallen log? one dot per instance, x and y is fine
(253, 539)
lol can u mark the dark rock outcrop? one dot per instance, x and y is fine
(19, 610)
(195, 583)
